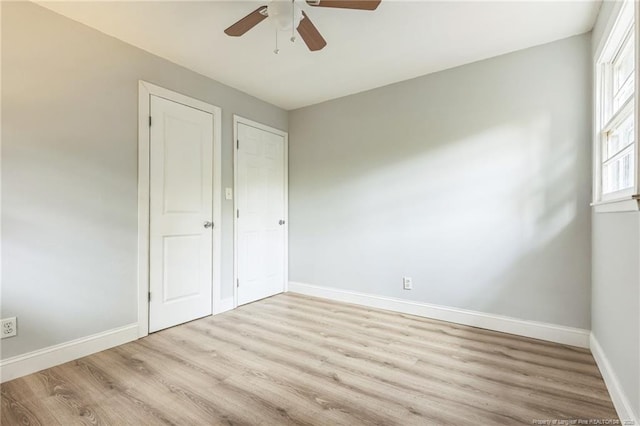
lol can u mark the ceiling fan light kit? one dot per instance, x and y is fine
(285, 15)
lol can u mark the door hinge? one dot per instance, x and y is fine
(238, 214)
(237, 282)
(238, 143)
(149, 296)
(149, 121)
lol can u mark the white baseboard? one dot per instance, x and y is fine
(21, 365)
(537, 330)
(618, 396)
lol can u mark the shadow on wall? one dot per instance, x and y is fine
(482, 221)
(481, 199)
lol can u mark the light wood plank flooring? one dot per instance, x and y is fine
(292, 359)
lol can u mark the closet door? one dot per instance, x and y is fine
(181, 204)
(260, 213)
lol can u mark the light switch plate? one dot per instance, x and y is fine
(228, 194)
(407, 283)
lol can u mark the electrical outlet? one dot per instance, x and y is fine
(407, 283)
(9, 327)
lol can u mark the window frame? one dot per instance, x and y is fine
(616, 32)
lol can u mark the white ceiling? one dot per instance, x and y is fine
(398, 41)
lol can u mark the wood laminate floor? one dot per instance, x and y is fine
(292, 359)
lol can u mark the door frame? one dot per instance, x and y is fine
(237, 119)
(145, 91)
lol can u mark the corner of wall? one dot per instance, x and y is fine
(621, 402)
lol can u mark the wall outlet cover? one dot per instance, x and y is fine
(9, 327)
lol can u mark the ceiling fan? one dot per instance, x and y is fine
(286, 15)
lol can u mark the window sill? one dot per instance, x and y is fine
(627, 204)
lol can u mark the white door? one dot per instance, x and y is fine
(261, 213)
(181, 189)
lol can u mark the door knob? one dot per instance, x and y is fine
(208, 224)
(281, 222)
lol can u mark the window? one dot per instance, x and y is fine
(615, 145)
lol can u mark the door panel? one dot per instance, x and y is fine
(261, 186)
(183, 174)
(181, 267)
(181, 188)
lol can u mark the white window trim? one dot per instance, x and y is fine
(628, 199)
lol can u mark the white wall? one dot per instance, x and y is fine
(69, 173)
(475, 181)
(616, 281)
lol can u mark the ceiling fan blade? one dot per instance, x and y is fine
(310, 34)
(248, 22)
(346, 4)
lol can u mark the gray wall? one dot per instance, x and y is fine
(616, 296)
(69, 173)
(615, 307)
(474, 181)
